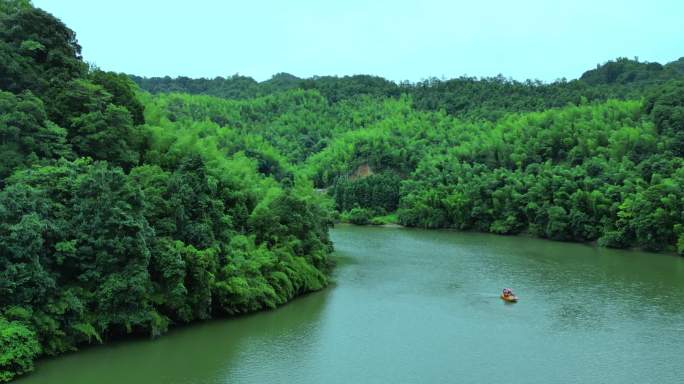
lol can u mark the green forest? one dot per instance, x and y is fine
(598, 159)
(129, 205)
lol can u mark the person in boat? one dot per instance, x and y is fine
(507, 292)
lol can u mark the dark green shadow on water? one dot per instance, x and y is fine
(196, 353)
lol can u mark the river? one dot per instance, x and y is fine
(414, 306)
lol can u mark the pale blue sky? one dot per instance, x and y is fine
(399, 40)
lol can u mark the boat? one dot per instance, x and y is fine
(509, 298)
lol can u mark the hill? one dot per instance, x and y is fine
(466, 97)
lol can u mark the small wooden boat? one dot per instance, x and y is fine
(509, 298)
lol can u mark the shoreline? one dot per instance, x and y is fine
(593, 244)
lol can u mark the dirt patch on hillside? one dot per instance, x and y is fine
(363, 171)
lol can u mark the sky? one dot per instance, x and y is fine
(397, 39)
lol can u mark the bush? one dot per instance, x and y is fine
(18, 349)
(358, 216)
(384, 220)
(614, 239)
(679, 230)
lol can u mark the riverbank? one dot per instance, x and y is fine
(391, 221)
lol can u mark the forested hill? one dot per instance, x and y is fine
(468, 97)
(110, 227)
(607, 171)
(604, 167)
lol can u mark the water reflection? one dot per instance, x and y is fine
(200, 353)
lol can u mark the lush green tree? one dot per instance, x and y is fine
(358, 216)
(378, 192)
(182, 278)
(18, 348)
(666, 107)
(122, 90)
(97, 127)
(26, 134)
(39, 53)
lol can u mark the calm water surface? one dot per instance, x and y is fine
(412, 306)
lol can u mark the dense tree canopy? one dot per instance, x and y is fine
(38, 52)
(606, 171)
(466, 97)
(110, 226)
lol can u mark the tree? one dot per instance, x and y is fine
(665, 105)
(97, 127)
(121, 89)
(39, 53)
(26, 134)
(18, 349)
